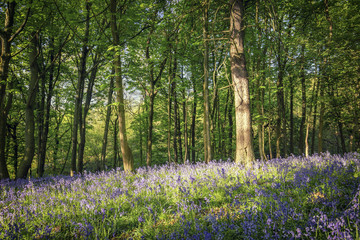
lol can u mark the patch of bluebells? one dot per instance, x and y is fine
(314, 197)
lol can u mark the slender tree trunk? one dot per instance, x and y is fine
(314, 117)
(58, 120)
(116, 148)
(80, 93)
(107, 120)
(46, 105)
(40, 124)
(175, 146)
(141, 136)
(128, 159)
(84, 115)
(260, 109)
(231, 124)
(150, 128)
(244, 148)
(185, 117)
(291, 115)
(170, 81)
(303, 102)
(193, 122)
(207, 140)
(281, 120)
(16, 146)
(179, 136)
(29, 110)
(326, 66)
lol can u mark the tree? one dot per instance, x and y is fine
(207, 140)
(29, 110)
(244, 148)
(7, 36)
(127, 155)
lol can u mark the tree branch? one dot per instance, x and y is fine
(22, 26)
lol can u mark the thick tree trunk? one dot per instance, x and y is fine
(29, 110)
(244, 148)
(107, 120)
(207, 140)
(5, 56)
(128, 159)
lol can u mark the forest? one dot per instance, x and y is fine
(95, 85)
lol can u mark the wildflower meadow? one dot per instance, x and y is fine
(315, 197)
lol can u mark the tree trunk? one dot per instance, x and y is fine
(321, 117)
(185, 116)
(107, 120)
(179, 136)
(303, 102)
(5, 56)
(84, 115)
(207, 141)
(170, 81)
(150, 128)
(231, 124)
(29, 110)
(281, 120)
(244, 148)
(173, 89)
(116, 148)
(314, 117)
(291, 115)
(80, 93)
(193, 122)
(46, 106)
(128, 159)
(16, 146)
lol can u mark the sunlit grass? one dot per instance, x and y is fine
(308, 198)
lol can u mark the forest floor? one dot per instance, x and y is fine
(314, 197)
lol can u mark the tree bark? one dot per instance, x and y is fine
(291, 115)
(303, 101)
(193, 122)
(107, 120)
(29, 110)
(175, 146)
(80, 92)
(128, 159)
(46, 107)
(315, 102)
(207, 140)
(5, 57)
(185, 118)
(90, 86)
(244, 147)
